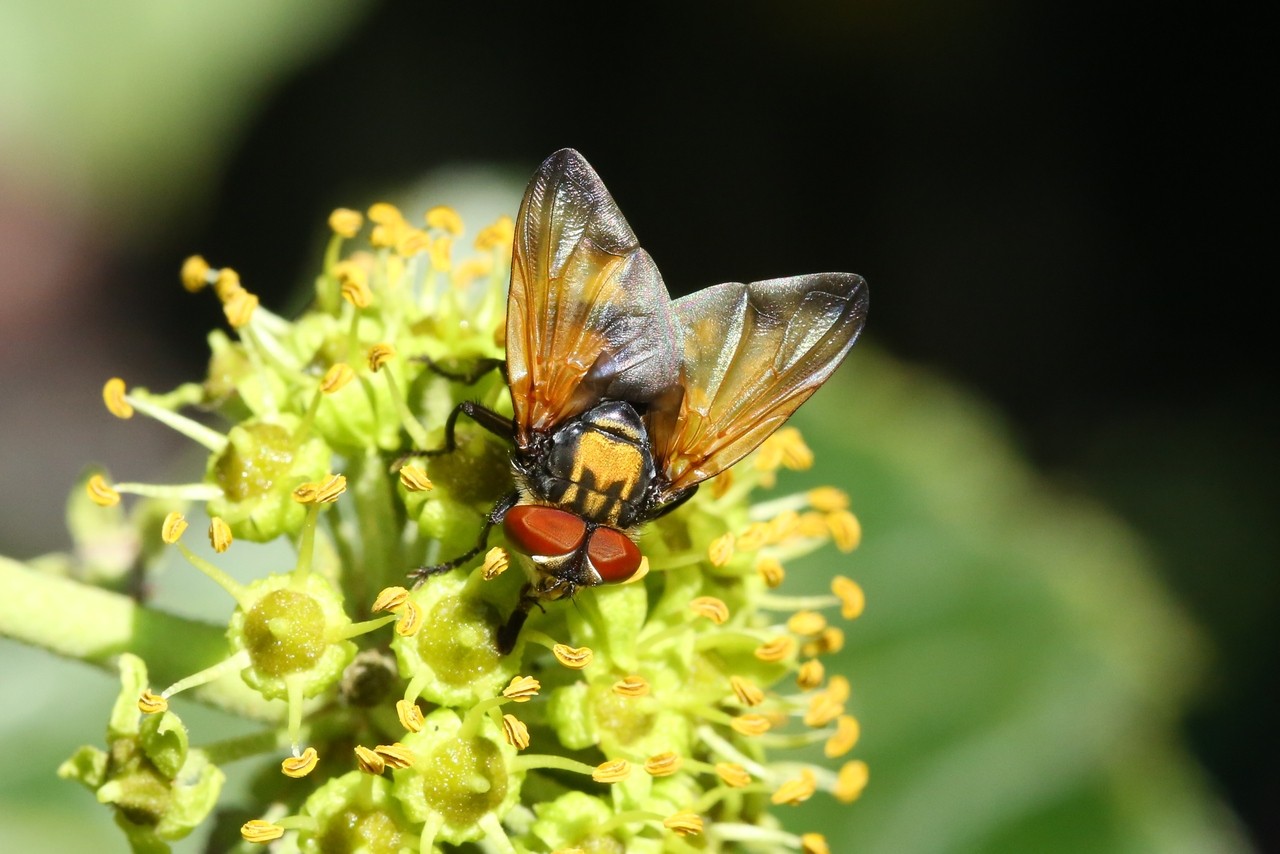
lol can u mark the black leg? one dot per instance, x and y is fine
(493, 517)
(485, 417)
(684, 496)
(478, 369)
(510, 631)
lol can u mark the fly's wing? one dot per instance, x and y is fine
(752, 354)
(588, 316)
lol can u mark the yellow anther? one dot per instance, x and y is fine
(100, 492)
(641, 571)
(747, 692)
(356, 291)
(410, 621)
(769, 457)
(733, 774)
(410, 715)
(846, 736)
(497, 236)
(814, 843)
(515, 732)
(631, 686)
(720, 484)
(613, 771)
(771, 571)
(496, 562)
(852, 599)
(839, 688)
(411, 241)
(150, 704)
(684, 823)
(831, 640)
(710, 607)
(472, 270)
(239, 308)
(823, 709)
(813, 524)
(226, 284)
(574, 658)
(784, 526)
(806, 623)
(439, 253)
(172, 527)
(219, 534)
(828, 499)
(345, 222)
(751, 724)
(385, 236)
(796, 791)
(113, 393)
(195, 274)
(259, 832)
(756, 535)
(795, 453)
(390, 599)
(300, 766)
(306, 492)
(663, 764)
(322, 492)
(720, 552)
(369, 761)
(846, 530)
(522, 689)
(330, 488)
(338, 375)
(851, 780)
(379, 355)
(776, 649)
(350, 270)
(446, 219)
(810, 674)
(395, 755)
(385, 213)
(414, 478)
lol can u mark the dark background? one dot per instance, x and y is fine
(1055, 206)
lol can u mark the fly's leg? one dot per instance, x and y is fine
(510, 631)
(680, 499)
(493, 517)
(496, 424)
(478, 369)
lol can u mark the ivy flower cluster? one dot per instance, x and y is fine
(673, 713)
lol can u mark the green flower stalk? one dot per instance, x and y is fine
(676, 712)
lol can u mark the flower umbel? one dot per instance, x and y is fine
(659, 715)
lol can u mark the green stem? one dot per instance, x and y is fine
(380, 524)
(79, 621)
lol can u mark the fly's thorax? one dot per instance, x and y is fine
(598, 465)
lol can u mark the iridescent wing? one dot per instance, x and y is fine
(588, 316)
(752, 354)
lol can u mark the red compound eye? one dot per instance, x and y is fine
(544, 531)
(613, 554)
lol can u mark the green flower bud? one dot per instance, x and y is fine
(161, 790)
(457, 778)
(293, 630)
(454, 656)
(258, 470)
(356, 812)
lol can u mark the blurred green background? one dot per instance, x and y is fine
(1057, 431)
